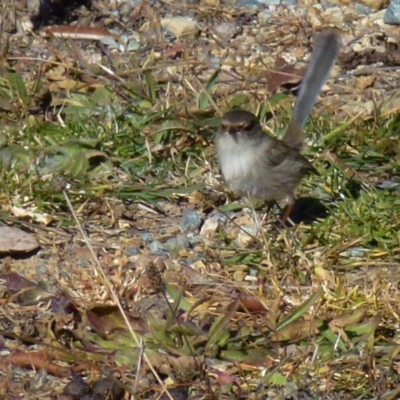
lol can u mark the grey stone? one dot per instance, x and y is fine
(392, 15)
(156, 247)
(132, 251)
(177, 243)
(146, 237)
(362, 9)
(191, 220)
(290, 3)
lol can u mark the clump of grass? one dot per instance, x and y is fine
(313, 304)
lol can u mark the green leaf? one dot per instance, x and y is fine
(218, 334)
(238, 100)
(18, 87)
(300, 311)
(69, 160)
(365, 327)
(176, 294)
(277, 378)
(78, 165)
(174, 307)
(102, 96)
(254, 355)
(203, 101)
(5, 104)
(335, 339)
(151, 87)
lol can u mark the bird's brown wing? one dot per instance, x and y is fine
(280, 153)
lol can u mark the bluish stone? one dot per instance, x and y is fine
(220, 217)
(132, 251)
(392, 14)
(191, 220)
(248, 3)
(146, 237)
(362, 9)
(177, 243)
(156, 247)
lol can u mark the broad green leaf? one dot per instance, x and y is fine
(15, 156)
(101, 96)
(176, 294)
(87, 143)
(18, 87)
(277, 378)
(127, 359)
(5, 104)
(365, 327)
(238, 100)
(335, 339)
(160, 332)
(103, 170)
(301, 310)
(218, 333)
(172, 314)
(70, 161)
(78, 165)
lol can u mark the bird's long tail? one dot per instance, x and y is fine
(324, 55)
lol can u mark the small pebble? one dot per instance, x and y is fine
(41, 268)
(195, 239)
(246, 235)
(81, 262)
(209, 227)
(191, 220)
(289, 3)
(132, 251)
(156, 247)
(146, 237)
(220, 217)
(245, 3)
(362, 9)
(178, 243)
(226, 30)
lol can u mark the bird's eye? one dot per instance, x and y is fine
(249, 127)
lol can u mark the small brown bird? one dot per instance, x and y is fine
(257, 165)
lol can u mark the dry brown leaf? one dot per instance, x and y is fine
(283, 73)
(296, 331)
(14, 240)
(363, 82)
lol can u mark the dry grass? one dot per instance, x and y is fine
(213, 310)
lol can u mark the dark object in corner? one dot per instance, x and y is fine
(48, 12)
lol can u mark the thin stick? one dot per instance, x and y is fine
(114, 295)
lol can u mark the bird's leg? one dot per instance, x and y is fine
(289, 207)
(285, 217)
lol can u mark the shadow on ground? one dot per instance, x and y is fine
(308, 210)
